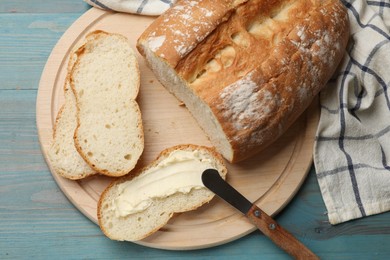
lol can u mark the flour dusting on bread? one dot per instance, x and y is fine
(245, 103)
(247, 69)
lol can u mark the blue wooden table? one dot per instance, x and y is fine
(37, 220)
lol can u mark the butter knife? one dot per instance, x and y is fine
(268, 226)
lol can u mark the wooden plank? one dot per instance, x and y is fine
(37, 221)
(43, 6)
(26, 41)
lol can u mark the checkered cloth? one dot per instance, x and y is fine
(144, 7)
(352, 150)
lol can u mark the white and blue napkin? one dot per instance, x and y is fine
(143, 7)
(352, 148)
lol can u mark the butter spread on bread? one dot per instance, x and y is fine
(179, 172)
(246, 69)
(170, 184)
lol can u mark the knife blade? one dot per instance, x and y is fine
(268, 226)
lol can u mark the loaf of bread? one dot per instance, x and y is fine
(63, 155)
(134, 206)
(246, 69)
(105, 80)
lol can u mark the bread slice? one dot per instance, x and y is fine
(105, 80)
(139, 225)
(63, 155)
(246, 69)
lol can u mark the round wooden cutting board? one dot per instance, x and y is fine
(270, 178)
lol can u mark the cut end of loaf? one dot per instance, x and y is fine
(196, 106)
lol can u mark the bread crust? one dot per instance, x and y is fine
(77, 168)
(257, 64)
(106, 194)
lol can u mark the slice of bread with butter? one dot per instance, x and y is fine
(135, 206)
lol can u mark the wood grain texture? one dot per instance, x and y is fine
(37, 221)
(280, 236)
(43, 6)
(26, 41)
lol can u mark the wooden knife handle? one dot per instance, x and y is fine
(279, 235)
